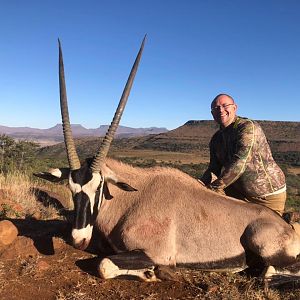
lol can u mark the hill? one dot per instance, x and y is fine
(193, 137)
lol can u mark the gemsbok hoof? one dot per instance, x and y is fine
(107, 269)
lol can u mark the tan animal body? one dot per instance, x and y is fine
(175, 220)
(162, 214)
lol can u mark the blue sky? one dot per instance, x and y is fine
(195, 50)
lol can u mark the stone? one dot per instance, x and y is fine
(8, 233)
(22, 247)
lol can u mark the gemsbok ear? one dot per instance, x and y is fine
(54, 175)
(121, 185)
(125, 187)
(111, 177)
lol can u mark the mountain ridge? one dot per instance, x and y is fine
(54, 134)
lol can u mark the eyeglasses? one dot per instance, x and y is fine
(224, 106)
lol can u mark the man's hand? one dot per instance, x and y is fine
(213, 188)
(217, 190)
(201, 182)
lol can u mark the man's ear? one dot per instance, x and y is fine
(54, 175)
(235, 107)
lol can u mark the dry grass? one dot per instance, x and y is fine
(162, 156)
(294, 170)
(28, 266)
(15, 188)
(3, 282)
(213, 285)
(76, 294)
(18, 199)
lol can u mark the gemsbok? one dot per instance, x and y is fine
(161, 214)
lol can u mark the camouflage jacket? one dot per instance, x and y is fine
(241, 156)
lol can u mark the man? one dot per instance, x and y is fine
(241, 159)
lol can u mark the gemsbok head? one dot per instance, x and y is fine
(86, 181)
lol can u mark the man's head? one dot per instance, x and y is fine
(223, 109)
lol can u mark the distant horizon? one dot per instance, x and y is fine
(121, 125)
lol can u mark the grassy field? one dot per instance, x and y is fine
(161, 156)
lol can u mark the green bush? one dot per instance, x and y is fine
(16, 155)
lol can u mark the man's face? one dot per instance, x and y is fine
(223, 109)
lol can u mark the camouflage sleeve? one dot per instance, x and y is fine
(241, 155)
(214, 166)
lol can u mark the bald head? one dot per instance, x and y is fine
(223, 109)
(228, 97)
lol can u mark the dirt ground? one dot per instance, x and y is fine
(42, 264)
